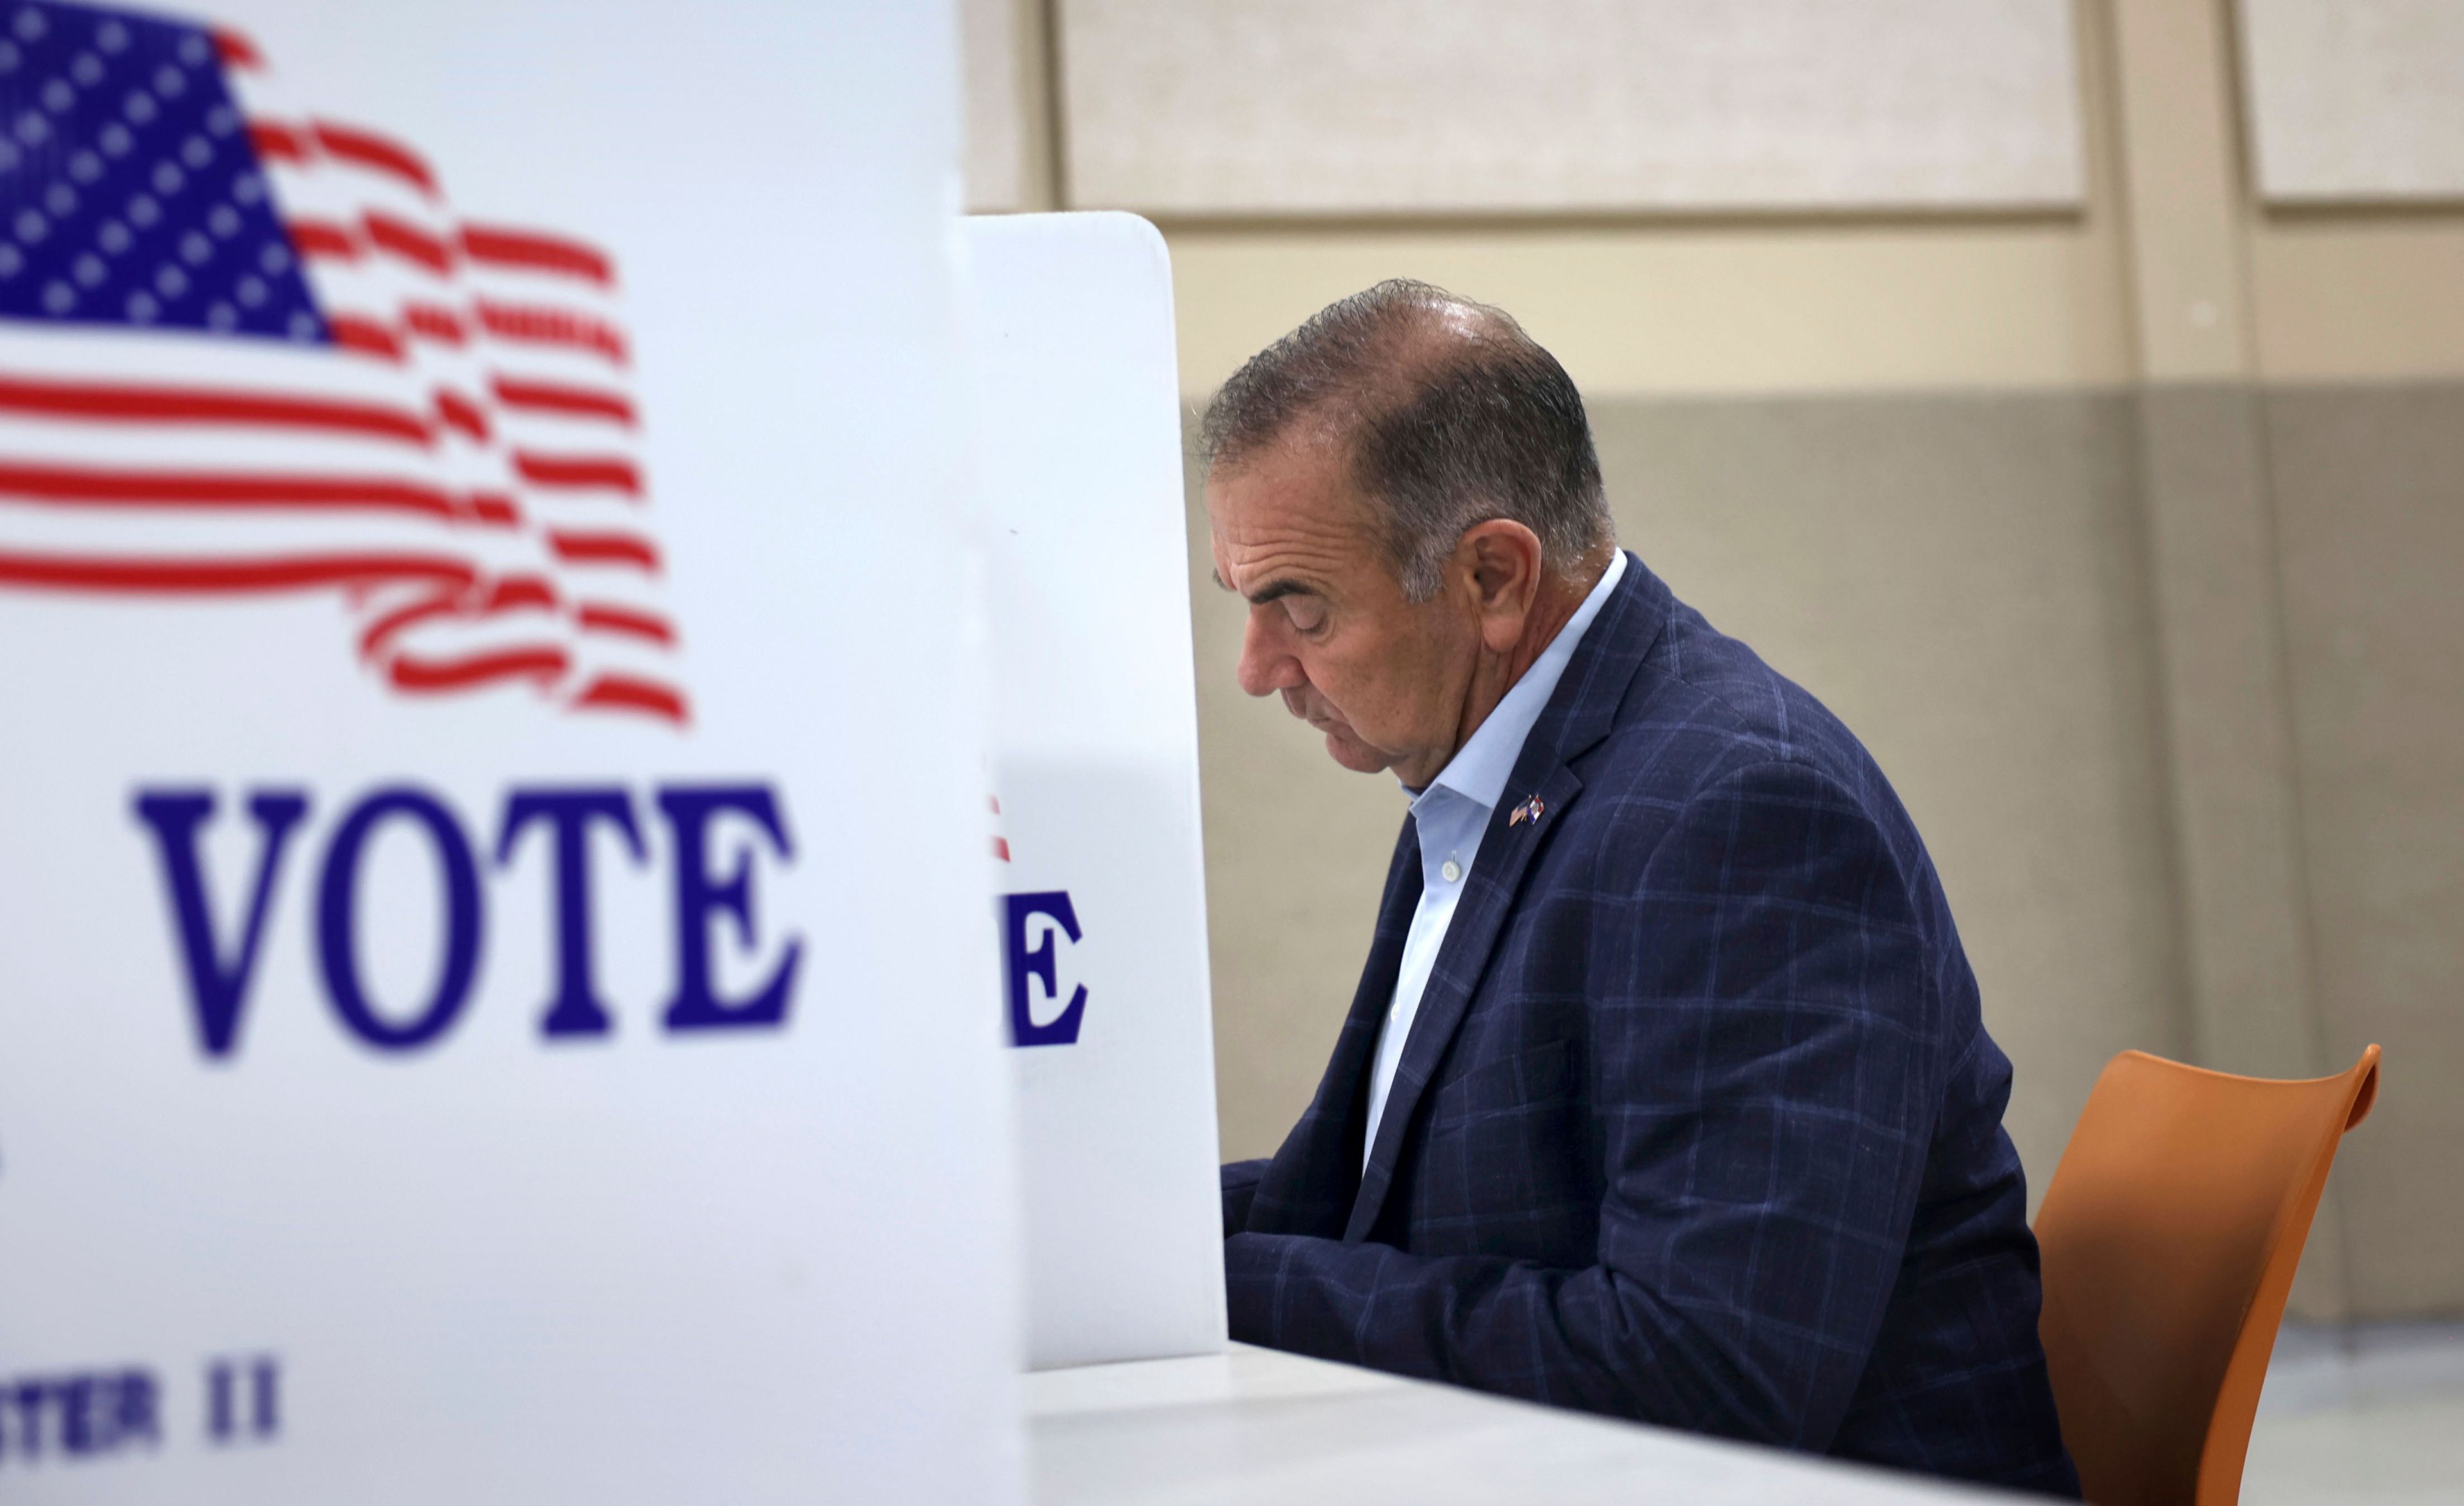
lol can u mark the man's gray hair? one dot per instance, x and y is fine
(1451, 415)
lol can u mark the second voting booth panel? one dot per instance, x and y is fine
(1102, 903)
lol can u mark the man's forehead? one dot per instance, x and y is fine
(1284, 524)
(1298, 483)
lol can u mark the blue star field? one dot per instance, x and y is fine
(130, 193)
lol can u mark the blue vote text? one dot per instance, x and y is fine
(220, 962)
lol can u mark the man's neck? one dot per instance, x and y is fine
(1560, 597)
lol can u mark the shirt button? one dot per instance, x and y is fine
(1453, 869)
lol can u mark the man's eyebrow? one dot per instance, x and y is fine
(1272, 590)
(1276, 590)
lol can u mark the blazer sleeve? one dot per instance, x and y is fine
(1765, 1076)
(1241, 1179)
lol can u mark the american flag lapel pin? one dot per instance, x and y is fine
(1530, 811)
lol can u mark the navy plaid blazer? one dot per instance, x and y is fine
(1697, 1123)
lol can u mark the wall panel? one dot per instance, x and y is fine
(1350, 107)
(2355, 100)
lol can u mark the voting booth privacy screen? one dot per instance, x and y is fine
(494, 988)
(1099, 863)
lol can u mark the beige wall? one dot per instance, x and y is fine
(2369, 490)
(2358, 298)
(2126, 540)
(1720, 306)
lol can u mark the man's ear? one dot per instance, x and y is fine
(1501, 562)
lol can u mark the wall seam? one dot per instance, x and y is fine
(1055, 124)
(2245, 169)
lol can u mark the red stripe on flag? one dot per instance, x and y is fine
(514, 593)
(365, 148)
(532, 251)
(400, 237)
(434, 322)
(355, 332)
(79, 486)
(577, 547)
(605, 617)
(457, 411)
(531, 325)
(278, 143)
(544, 664)
(236, 50)
(325, 238)
(579, 473)
(219, 577)
(629, 693)
(491, 507)
(190, 405)
(554, 397)
(382, 630)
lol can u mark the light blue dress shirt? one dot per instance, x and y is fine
(1451, 815)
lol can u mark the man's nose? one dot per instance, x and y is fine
(1267, 665)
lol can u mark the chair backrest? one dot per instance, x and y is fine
(2169, 1235)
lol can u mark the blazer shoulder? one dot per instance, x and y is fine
(1704, 706)
(1704, 709)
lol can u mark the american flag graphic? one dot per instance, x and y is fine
(248, 348)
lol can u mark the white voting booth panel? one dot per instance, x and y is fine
(491, 945)
(1102, 902)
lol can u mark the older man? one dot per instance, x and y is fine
(1664, 1093)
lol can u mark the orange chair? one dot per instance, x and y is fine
(2169, 1235)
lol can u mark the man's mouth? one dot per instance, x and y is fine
(1309, 712)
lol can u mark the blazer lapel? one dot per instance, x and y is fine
(1315, 1174)
(1496, 875)
(1580, 713)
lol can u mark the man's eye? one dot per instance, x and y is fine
(1307, 615)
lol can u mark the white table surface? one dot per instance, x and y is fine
(1254, 1425)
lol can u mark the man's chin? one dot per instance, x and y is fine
(1355, 755)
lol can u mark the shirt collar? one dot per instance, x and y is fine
(1480, 767)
